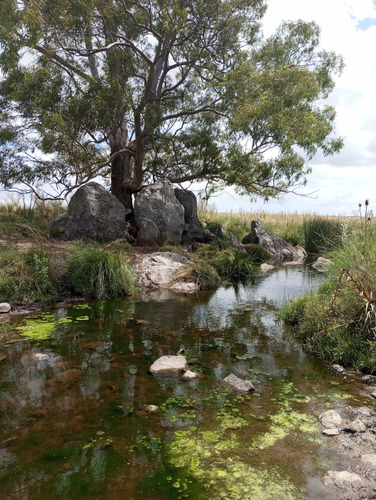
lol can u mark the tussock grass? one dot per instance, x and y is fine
(27, 221)
(97, 273)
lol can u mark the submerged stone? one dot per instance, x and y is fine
(189, 375)
(168, 365)
(239, 384)
(67, 378)
(152, 408)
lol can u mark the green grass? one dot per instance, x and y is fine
(338, 323)
(321, 235)
(26, 277)
(97, 273)
(27, 221)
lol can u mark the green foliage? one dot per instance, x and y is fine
(205, 274)
(93, 272)
(79, 97)
(230, 263)
(321, 234)
(26, 278)
(293, 312)
(338, 322)
(257, 252)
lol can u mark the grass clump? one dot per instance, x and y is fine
(338, 323)
(97, 273)
(229, 263)
(201, 272)
(26, 277)
(321, 235)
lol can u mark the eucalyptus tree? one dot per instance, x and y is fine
(135, 90)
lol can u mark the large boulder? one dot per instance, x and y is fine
(93, 213)
(157, 206)
(226, 239)
(278, 248)
(195, 230)
(159, 270)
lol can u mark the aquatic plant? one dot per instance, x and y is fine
(93, 272)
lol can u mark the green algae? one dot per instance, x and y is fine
(38, 328)
(230, 420)
(99, 442)
(82, 318)
(65, 320)
(283, 423)
(211, 458)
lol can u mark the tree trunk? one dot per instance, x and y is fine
(120, 188)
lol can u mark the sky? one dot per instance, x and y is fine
(338, 183)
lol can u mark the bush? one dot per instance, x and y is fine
(96, 273)
(26, 278)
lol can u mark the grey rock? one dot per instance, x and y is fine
(369, 379)
(331, 431)
(57, 225)
(168, 365)
(195, 229)
(330, 419)
(148, 233)
(152, 408)
(266, 267)
(321, 264)
(94, 213)
(238, 384)
(227, 239)
(338, 369)
(190, 375)
(373, 394)
(157, 270)
(278, 248)
(355, 426)
(158, 204)
(369, 459)
(342, 478)
(5, 307)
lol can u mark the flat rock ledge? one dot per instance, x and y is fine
(4, 307)
(169, 365)
(342, 479)
(238, 384)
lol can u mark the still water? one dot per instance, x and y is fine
(74, 385)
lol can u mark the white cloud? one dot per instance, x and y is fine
(349, 28)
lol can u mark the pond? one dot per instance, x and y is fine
(74, 385)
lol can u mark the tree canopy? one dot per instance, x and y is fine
(137, 90)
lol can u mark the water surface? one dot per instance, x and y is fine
(75, 383)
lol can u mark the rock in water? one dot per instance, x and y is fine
(157, 270)
(330, 419)
(341, 478)
(321, 264)
(157, 206)
(94, 213)
(168, 365)
(275, 246)
(239, 384)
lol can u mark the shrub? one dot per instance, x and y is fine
(96, 273)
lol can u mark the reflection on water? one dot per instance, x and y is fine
(72, 401)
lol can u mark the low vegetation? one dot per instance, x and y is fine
(338, 323)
